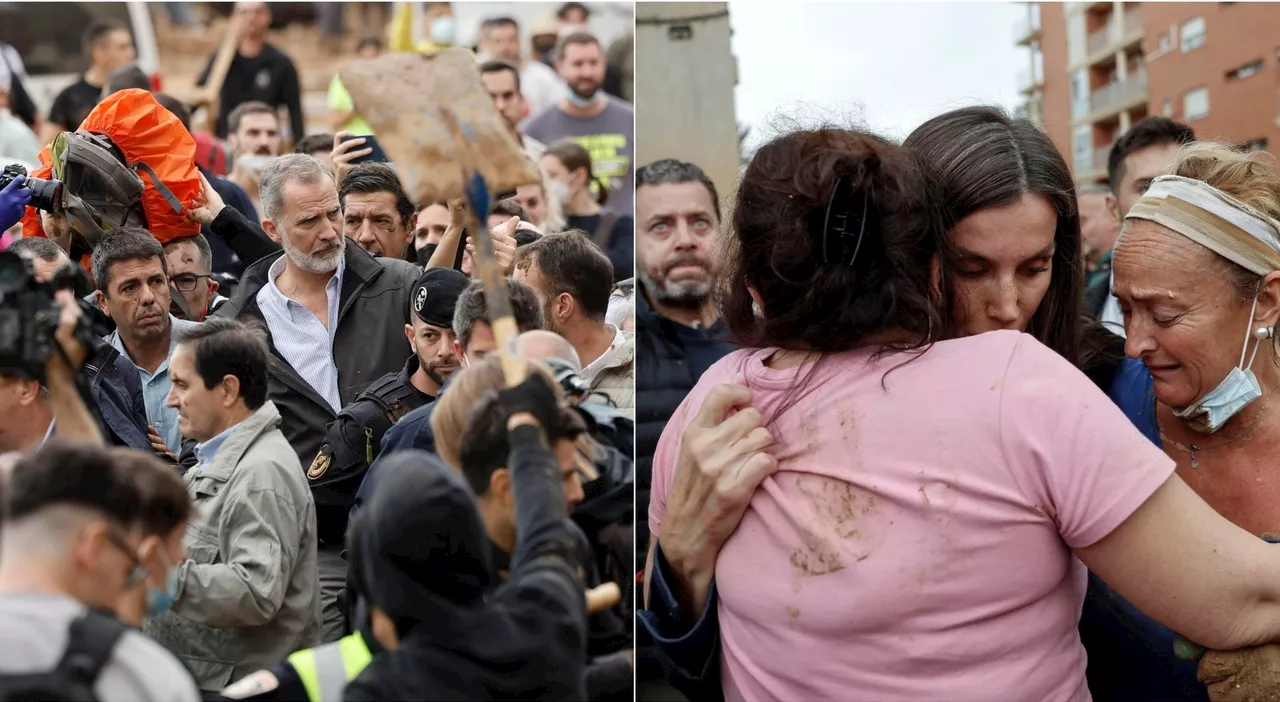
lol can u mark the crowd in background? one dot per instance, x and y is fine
(290, 467)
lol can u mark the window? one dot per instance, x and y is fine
(1192, 34)
(1195, 104)
(1082, 148)
(1163, 43)
(1080, 94)
(1255, 145)
(1245, 71)
(1168, 108)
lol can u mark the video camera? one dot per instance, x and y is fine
(29, 317)
(45, 194)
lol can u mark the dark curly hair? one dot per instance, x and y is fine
(814, 299)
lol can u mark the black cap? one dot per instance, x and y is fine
(435, 294)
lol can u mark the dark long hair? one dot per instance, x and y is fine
(978, 157)
(814, 298)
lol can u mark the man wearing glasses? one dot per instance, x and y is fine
(190, 268)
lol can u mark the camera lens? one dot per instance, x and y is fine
(45, 194)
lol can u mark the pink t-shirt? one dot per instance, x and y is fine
(915, 542)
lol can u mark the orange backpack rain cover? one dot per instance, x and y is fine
(145, 132)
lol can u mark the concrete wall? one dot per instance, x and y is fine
(684, 88)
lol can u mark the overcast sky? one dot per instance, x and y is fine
(889, 65)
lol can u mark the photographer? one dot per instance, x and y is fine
(115, 392)
(34, 411)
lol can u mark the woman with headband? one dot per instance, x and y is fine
(926, 499)
(1197, 274)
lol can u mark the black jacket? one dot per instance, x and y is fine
(368, 343)
(663, 379)
(269, 77)
(235, 244)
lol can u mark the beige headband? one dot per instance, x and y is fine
(1213, 219)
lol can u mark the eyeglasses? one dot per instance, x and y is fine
(139, 571)
(186, 282)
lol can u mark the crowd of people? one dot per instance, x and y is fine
(288, 463)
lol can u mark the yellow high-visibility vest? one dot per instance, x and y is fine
(326, 670)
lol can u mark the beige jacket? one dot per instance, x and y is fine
(617, 378)
(249, 593)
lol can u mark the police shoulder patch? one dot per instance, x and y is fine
(320, 465)
(259, 683)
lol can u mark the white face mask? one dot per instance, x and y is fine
(253, 163)
(442, 30)
(561, 191)
(1234, 393)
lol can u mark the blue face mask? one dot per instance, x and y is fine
(579, 101)
(1235, 392)
(161, 601)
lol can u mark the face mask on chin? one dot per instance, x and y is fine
(582, 102)
(252, 163)
(1216, 407)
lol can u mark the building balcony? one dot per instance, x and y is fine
(1118, 96)
(1030, 81)
(1026, 30)
(1120, 32)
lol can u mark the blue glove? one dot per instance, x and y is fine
(13, 202)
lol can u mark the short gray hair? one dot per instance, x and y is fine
(282, 170)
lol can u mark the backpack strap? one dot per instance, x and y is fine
(160, 187)
(604, 229)
(91, 638)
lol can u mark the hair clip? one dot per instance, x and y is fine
(836, 222)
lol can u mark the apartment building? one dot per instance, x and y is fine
(1106, 65)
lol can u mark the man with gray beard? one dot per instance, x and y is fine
(335, 318)
(678, 332)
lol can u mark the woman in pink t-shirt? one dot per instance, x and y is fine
(917, 538)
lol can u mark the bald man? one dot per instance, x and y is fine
(542, 345)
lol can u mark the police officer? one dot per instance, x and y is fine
(353, 439)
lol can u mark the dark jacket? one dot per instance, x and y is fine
(1098, 287)
(369, 342)
(608, 674)
(234, 244)
(525, 640)
(664, 376)
(117, 397)
(353, 440)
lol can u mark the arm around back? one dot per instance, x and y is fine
(1123, 512)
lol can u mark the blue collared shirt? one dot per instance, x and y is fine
(300, 337)
(206, 450)
(155, 387)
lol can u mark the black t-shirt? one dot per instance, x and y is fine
(269, 77)
(75, 103)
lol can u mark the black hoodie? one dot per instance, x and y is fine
(426, 560)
